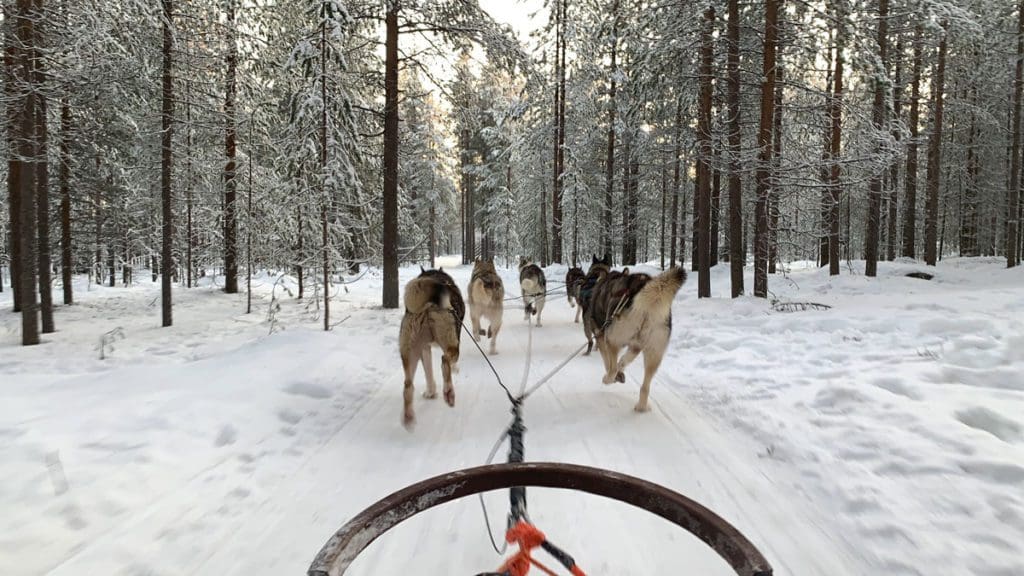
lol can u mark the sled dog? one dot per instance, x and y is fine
(634, 311)
(573, 281)
(534, 287)
(434, 311)
(599, 268)
(486, 300)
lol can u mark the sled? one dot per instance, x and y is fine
(348, 542)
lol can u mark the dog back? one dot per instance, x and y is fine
(614, 295)
(485, 286)
(434, 287)
(531, 279)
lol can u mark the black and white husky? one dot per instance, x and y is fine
(534, 286)
(634, 311)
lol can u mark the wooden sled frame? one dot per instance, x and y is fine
(348, 542)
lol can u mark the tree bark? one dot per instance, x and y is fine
(391, 144)
(230, 149)
(556, 199)
(910, 195)
(894, 170)
(12, 67)
(704, 157)
(25, 151)
(835, 147)
(735, 183)
(1013, 194)
(763, 174)
(166, 164)
(676, 161)
(66, 252)
(609, 192)
(934, 175)
(871, 242)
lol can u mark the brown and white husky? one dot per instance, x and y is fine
(486, 300)
(534, 287)
(634, 311)
(434, 311)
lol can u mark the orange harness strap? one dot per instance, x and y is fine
(528, 537)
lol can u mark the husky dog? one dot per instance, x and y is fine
(599, 268)
(533, 286)
(486, 299)
(634, 311)
(434, 311)
(573, 281)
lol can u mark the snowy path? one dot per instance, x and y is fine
(245, 459)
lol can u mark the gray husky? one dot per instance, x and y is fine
(486, 300)
(534, 287)
(634, 311)
(434, 311)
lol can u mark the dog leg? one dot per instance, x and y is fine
(449, 389)
(474, 316)
(652, 360)
(626, 360)
(494, 328)
(579, 312)
(608, 358)
(590, 336)
(408, 414)
(538, 307)
(428, 370)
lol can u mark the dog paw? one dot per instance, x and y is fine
(449, 396)
(430, 395)
(607, 379)
(493, 352)
(620, 378)
(409, 421)
(641, 407)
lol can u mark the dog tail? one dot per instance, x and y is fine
(662, 289)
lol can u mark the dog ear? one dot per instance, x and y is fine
(422, 270)
(440, 268)
(593, 259)
(625, 271)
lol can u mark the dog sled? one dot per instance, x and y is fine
(515, 476)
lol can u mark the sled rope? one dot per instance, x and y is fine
(521, 530)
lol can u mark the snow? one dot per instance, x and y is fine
(882, 436)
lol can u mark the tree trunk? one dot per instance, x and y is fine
(391, 157)
(704, 157)
(716, 209)
(230, 145)
(1013, 194)
(42, 169)
(325, 258)
(676, 160)
(609, 195)
(166, 159)
(25, 151)
(664, 209)
(736, 248)
(835, 147)
(826, 154)
(300, 269)
(628, 217)
(12, 67)
(763, 174)
(773, 193)
(894, 170)
(910, 196)
(934, 176)
(878, 111)
(556, 200)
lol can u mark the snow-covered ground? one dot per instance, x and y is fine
(882, 436)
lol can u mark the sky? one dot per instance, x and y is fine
(517, 13)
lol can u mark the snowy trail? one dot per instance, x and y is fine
(214, 449)
(347, 464)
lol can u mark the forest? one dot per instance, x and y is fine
(183, 138)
